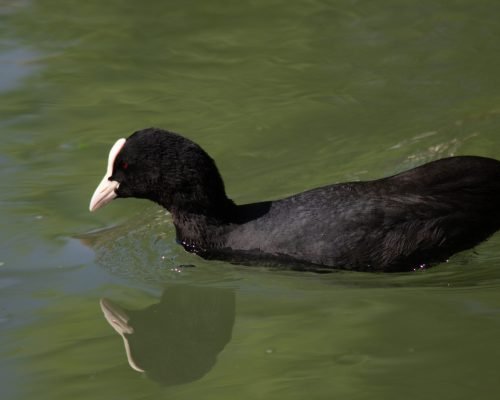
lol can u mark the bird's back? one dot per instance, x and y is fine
(398, 223)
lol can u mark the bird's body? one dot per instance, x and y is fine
(399, 223)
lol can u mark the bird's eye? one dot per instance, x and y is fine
(124, 165)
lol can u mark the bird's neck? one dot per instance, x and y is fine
(201, 231)
(200, 194)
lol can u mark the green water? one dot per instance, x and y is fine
(285, 96)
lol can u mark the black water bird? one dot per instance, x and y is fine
(399, 223)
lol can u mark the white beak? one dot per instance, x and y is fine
(106, 191)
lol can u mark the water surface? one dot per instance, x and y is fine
(285, 97)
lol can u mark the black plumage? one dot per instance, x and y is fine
(418, 217)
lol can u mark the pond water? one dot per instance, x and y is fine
(285, 96)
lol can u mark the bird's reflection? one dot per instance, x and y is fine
(178, 339)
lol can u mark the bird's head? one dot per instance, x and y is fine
(163, 167)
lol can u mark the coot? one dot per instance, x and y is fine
(400, 223)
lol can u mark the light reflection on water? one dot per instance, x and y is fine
(284, 97)
(15, 66)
